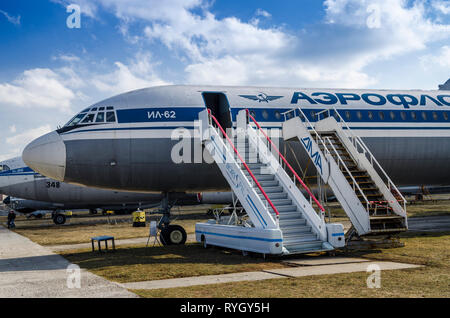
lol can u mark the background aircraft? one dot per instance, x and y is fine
(28, 191)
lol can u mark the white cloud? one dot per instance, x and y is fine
(18, 142)
(11, 19)
(40, 87)
(67, 58)
(139, 73)
(28, 135)
(442, 59)
(263, 13)
(441, 5)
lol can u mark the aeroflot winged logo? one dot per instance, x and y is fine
(261, 97)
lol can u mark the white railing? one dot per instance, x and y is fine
(361, 147)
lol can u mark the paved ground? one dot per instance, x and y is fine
(30, 270)
(430, 223)
(342, 266)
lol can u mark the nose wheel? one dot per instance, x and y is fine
(173, 235)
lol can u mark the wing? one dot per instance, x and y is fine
(252, 97)
(271, 98)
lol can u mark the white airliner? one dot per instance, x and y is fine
(126, 142)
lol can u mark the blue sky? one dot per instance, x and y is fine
(49, 71)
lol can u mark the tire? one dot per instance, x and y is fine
(92, 211)
(204, 244)
(173, 235)
(59, 219)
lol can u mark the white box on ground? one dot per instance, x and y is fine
(336, 236)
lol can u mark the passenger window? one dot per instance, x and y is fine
(370, 114)
(435, 116)
(424, 116)
(413, 115)
(445, 115)
(392, 114)
(381, 115)
(277, 114)
(89, 119)
(347, 115)
(100, 118)
(403, 115)
(110, 117)
(265, 114)
(359, 115)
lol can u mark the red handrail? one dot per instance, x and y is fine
(245, 165)
(287, 163)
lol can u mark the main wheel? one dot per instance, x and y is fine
(59, 219)
(173, 235)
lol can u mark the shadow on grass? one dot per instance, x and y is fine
(185, 254)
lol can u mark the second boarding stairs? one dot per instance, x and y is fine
(366, 193)
(280, 219)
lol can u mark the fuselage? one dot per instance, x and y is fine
(407, 131)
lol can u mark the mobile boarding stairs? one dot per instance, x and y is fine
(280, 219)
(366, 193)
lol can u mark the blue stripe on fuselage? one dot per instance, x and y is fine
(386, 119)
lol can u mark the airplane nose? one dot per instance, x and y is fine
(47, 156)
(7, 200)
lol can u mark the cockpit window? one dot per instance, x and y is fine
(76, 120)
(96, 115)
(100, 118)
(89, 119)
(110, 117)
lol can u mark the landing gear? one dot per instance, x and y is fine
(92, 211)
(59, 219)
(173, 235)
(170, 234)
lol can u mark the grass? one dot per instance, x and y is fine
(430, 249)
(138, 263)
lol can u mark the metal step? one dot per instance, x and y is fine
(291, 223)
(299, 238)
(296, 229)
(275, 196)
(281, 202)
(310, 246)
(289, 215)
(284, 208)
(260, 177)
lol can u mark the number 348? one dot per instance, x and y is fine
(52, 185)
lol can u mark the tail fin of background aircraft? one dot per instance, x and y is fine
(445, 86)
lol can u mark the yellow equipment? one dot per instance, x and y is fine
(138, 218)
